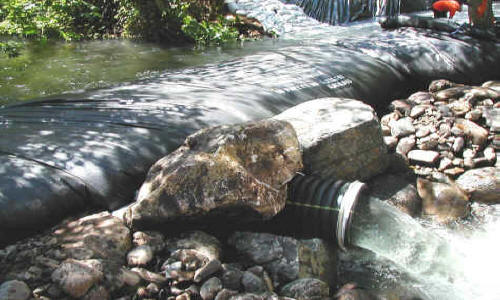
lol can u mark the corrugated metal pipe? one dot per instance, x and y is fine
(323, 207)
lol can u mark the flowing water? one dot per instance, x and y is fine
(43, 70)
(442, 263)
(343, 11)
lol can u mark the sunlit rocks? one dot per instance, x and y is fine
(483, 185)
(96, 236)
(424, 157)
(233, 170)
(444, 201)
(454, 126)
(338, 132)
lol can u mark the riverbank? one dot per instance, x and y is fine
(99, 257)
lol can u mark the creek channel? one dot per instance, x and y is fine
(93, 147)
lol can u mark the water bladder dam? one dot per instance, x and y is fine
(93, 149)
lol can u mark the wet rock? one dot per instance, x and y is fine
(483, 185)
(225, 294)
(140, 256)
(232, 170)
(287, 259)
(14, 290)
(204, 272)
(202, 243)
(306, 288)
(405, 145)
(445, 201)
(231, 277)
(402, 127)
(96, 236)
(344, 133)
(476, 133)
(153, 239)
(399, 191)
(150, 276)
(76, 277)
(252, 283)
(210, 288)
(425, 157)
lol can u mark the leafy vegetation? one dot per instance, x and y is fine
(168, 21)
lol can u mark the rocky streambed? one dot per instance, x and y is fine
(432, 156)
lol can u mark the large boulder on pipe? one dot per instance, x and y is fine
(232, 170)
(338, 137)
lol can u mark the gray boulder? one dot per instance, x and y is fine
(338, 137)
(233, 170)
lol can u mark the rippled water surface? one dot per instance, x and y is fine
(51, 69)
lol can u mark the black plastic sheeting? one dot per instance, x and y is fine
(60, 156)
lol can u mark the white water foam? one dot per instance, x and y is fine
(446, 264)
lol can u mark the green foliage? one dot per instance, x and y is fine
(66, 19)
(157, 20)
(205, 32)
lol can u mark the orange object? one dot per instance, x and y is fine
(447, 5)
(482, 8)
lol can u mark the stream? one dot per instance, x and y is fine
(114, 107)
